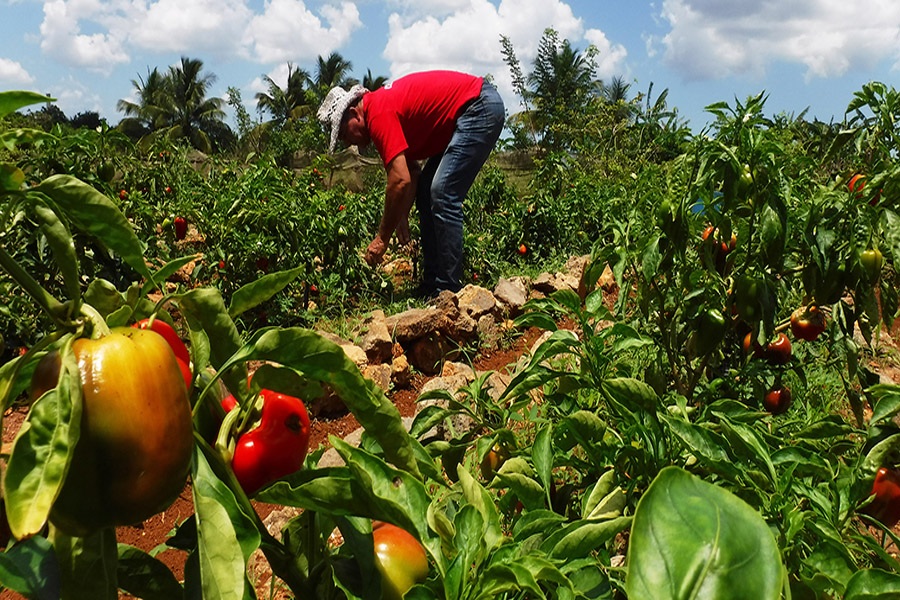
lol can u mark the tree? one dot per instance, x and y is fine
(332, 72)
(291, 102)
(144, 114)
(175, 105)
(372, 83)
(556, 93)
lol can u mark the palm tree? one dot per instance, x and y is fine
(560, 86)
(371, 82)
(291, 102)
(145, 113)
(331, 72)
(190, 113)
(175, 105)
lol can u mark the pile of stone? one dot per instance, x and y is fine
(388, 348)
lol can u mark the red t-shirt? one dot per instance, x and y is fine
(417, 113)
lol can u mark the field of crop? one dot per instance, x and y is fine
(723, 426)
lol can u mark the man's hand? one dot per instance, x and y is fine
(375, 251)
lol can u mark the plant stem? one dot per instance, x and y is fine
(53, 307)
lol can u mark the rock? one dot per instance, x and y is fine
(427, 352)
(476, 301)
(401, 372)
(376, 339)
(380, 374)
(512, 294)
(414, 323)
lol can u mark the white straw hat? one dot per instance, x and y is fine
(333, 107)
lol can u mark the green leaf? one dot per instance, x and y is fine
(166, 271)
(631, 393)
(11, 177)
(706, 444)
(42, 451)
(145, 577)
(887, 402)
(30, 568)
(692, 539)
(873, 584)
(542, 454)
(87, 564)
(257, 292)
(226, 536)
(96, 214)
(579, 539)
(214, 336)
(60, 241)
(13, 100)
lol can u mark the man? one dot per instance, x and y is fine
(452, 121)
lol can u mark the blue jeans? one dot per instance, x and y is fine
(443, 184)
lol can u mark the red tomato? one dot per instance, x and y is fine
(180, 228)
(808, 323)
(522, 249)
(778, 351)
(399, 558)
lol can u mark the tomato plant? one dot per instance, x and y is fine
(400, 559)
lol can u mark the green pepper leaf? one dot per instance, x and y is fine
(692, 539)
(96, 214)
(43, 449)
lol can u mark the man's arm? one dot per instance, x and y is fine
(398, 200)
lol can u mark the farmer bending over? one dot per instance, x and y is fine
(452, 120)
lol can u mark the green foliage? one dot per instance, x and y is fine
(643, 403)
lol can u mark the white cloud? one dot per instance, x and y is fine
(467, 37)
(74, 97)
(13, 73)
(188, 25)
(288, 31)
(710, 39)
(63, 39)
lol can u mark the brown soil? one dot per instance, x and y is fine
(156, 530)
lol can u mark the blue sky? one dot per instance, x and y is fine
(805, 54)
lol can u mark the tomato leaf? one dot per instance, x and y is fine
(87, 564)
(13, 100)
(692, 539)
(872, 584)
(60, 241)
(579, 539)
(43, 449)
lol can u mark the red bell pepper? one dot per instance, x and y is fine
(276, 447)
(171, 336)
